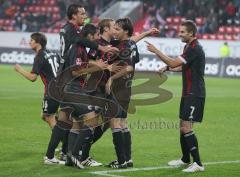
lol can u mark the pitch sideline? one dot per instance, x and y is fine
(107, 172)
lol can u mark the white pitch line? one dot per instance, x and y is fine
(106, 172)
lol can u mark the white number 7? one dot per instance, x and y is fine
(191, 113)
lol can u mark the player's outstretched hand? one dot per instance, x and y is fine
(151, 47)
(17, 67)
(154, 31)
(162, 70)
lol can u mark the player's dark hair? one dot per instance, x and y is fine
(190, 26)
(40, 38)
(126, 25)
(73, 10)
(104, 23)
(88, 29)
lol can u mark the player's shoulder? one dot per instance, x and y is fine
(40, 54)
(128, 43)
(46, 53)
(39, 57)
(195, 48)
(66, 28)
(131, 44)
(195, 45)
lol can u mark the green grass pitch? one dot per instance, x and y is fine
(24, 136)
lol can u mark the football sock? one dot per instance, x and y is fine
(83, 142)
(118, 144)
(185, 151)
(72, 136)
(87, 143)
(58, 133)
(192, 144)
(98, 132)
(127, 143)
(65, 142)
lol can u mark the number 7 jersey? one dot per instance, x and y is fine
(46, 65)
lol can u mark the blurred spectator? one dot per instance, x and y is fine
(161, 15)
(215, 13)
(230, 10)
(45, 16)
(225, 50)
(62, 7)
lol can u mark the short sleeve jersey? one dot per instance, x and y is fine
(99, 78)
(77, 58)
(128, 56)
(193, 67)
(46, 64)
(68, 34)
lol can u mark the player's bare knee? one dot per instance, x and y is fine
(115, 123)
(90, 119)
(64, 116)
(185, 129)
(124, 123)
(76, 126)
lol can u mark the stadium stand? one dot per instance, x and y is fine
(45, 15)
(216, 19)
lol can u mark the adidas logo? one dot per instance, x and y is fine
(16, 57)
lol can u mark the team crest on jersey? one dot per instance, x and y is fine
(92, 52)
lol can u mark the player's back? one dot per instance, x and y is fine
(68, 34)
(98, 79)
(46, 64)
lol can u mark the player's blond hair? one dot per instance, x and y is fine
(104, 23)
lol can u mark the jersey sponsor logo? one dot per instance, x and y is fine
(16, 57)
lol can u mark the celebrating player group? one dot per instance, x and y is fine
(88, 88)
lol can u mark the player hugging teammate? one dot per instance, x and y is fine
(101, 61)
(79, 119)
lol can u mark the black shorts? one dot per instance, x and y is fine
(49, 106)
(77, 111)
(192, 108)
(122, 97)
(122, 107)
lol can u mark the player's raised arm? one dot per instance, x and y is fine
(152, 31)
(173, 63)
(28, 75)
